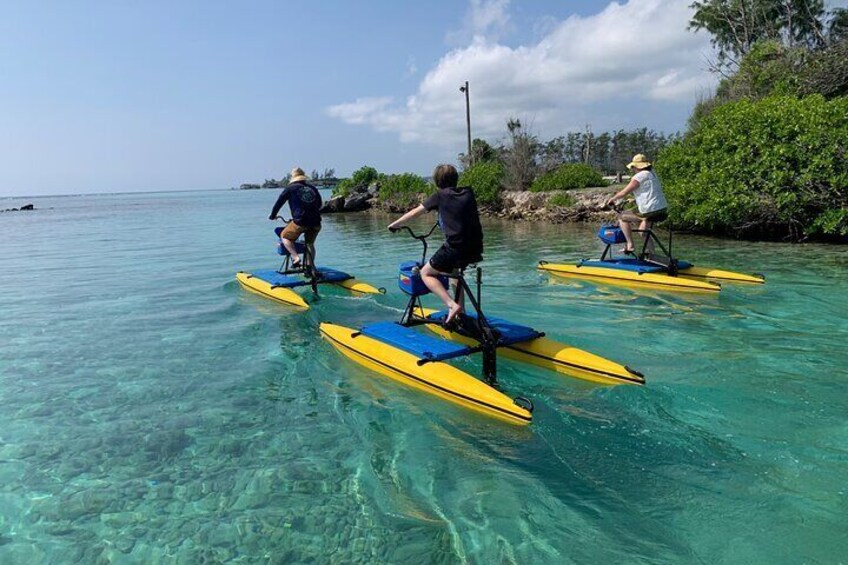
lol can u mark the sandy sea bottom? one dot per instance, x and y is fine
(151, 410)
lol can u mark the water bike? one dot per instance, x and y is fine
(278, 284)
(397, 350)
(653, 265)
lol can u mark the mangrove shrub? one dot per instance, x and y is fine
(486, 178)
(361, 178)
(777, 167)
(403, 190)
(572, 175)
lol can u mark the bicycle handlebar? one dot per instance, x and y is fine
(412, 233)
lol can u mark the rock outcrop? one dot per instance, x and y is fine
(361, 198)
(581, 205)
(357, 202)
(24, 208)
(333, 205)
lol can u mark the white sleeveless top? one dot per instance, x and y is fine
(649, 194)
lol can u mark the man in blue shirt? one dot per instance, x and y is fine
(305, 204)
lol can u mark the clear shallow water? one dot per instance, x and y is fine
(151, 410)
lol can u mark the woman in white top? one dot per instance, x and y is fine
(650, 200)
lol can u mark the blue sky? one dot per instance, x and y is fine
(132, 96)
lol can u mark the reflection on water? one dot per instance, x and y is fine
(153, 411)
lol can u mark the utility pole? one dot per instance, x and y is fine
(467, 120)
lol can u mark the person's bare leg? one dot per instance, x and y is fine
(429, 276)
(290, 247)
(628, 233)
(459, 294)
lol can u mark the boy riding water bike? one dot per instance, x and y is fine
(460, 222)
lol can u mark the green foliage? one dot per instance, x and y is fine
(831, 223)
(837, 29)
(737, 25)
(572, 175)
(485, 179)
(519, 157)
(770, 69)
(562, 199)
(361, 178)
(826, 71)
(403, 190)
(480, 151)
(775, 167)
(608, 152)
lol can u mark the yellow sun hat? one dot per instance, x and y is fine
(297, 174)
(639, 162)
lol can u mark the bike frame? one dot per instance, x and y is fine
(666, 260)
(307, 264)
(478, 329)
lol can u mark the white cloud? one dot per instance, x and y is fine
(361, 111)
(484, 18)
(411, 68)
(628, 55)
(487, 16)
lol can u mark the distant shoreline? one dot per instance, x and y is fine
(283, 183)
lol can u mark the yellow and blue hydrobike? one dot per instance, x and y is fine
(397, 350)
(279, 284)
(653, 266)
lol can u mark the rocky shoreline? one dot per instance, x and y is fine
(24, 208)
(583, 205)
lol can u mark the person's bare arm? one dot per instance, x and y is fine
(414, 213)
(631, 186)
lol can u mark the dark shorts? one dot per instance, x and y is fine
(447, 259)
(655, 216)
(292, 231)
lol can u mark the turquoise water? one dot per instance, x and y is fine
(151, 410)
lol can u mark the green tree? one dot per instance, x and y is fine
(480, 151)
(486, 179)
(775, 167)
(737, 25)
(570, 175)
(519, 157)
(552, 154)
(403, 190)
(771, 68)
(826, 71)
(837, 27)
(361, 178)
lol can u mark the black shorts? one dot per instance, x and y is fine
(448, 259)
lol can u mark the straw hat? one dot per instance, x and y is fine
(639, 162)
(297, 174)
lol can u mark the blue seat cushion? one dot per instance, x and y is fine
(509, 332)
(411, 341)
(280, 280)
(631, 264)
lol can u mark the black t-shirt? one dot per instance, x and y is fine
(304, 201)
(458, 218)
